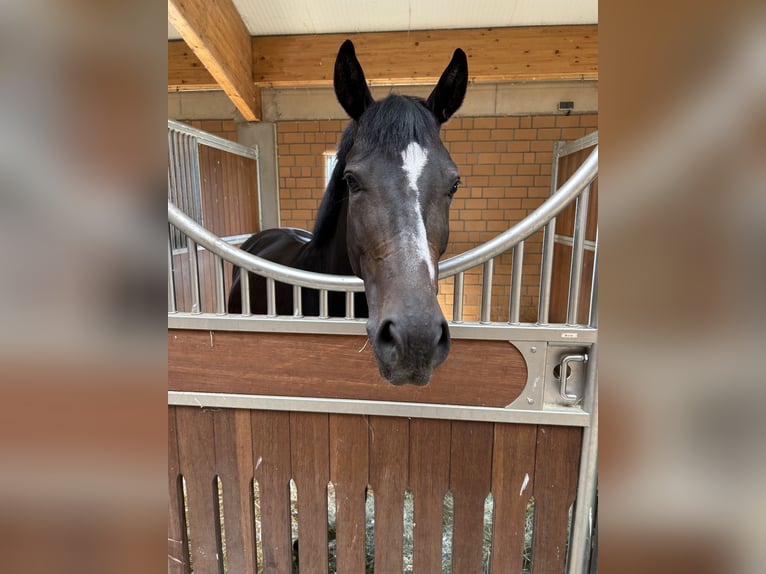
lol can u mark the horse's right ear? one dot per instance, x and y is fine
(448, 94)
(350, 84)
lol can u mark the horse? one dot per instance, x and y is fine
(384, 217)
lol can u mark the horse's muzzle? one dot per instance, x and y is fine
(409, 348)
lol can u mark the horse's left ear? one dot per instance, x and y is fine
(449, 92)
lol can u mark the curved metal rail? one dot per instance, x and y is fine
(574, 186)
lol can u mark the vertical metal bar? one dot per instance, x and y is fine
(486, 290)
(220, 288)
(578, 248)
(259, 195)
(191, 247)
(516, 274)
(171, 279)
(457, 298)
(297, 301)
(173, 179)
(593, 314)
(349, 304)
(189, 185)
(586, 481)
(244, 285)
(546, 268)
(323, 306)
(196, 185)
(181, 167)
(271, 297)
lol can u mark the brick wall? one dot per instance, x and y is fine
(505, 165)
(222, 128)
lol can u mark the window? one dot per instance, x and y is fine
(329, 164)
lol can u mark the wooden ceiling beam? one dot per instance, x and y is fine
(221, 44)
(494, 55)
(396, 58)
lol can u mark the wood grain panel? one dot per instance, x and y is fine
(494, 55)
(349, 473)
(178, 545)
(389, 447)
(470, 483)
(197, 464)
(333, 366)
(186, 71)
(310, 458)
(556, 468)
(513, 472)
(429, 481)
(234, 463)
(271, 456)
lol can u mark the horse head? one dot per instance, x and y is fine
(400, 181)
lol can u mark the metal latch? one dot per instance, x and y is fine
(563, 375)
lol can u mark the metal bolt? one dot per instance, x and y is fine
(533, 349)
(530, 400)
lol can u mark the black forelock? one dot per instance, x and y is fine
(390, 125)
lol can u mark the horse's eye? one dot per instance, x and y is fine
(455, 185)
(351, 182)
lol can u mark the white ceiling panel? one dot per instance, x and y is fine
(276, 17)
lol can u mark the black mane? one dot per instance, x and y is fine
(387, 127)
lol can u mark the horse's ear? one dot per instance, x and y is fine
(350, 84)
(449, 92)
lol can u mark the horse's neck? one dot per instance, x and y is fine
(328, 247)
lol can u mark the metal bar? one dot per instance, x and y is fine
(220, 287)
(271, 297)
(244, 286)
(216, 142)
(193, 276)
(588, 140)
(546, 268)
(535, 221)
(181, 163)
(349, 305)
(586, 482)
(297, 301)
(171, 279)
(324, 312)
(486, 290)
(593, 311)
(570, 417)
(516, 275)
(566, 240)
(578, 335)
(196, 183)
(457, 298)
(259, 265)
(575, 273)
(259, 194)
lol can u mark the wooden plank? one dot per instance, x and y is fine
(234, 463)
(271, 456)
(389, 447)
(470, 483)
(429, 481)
(349, 473)
(513, 474)
(556, 466)
(185, 71)
(310, 458)
(178, 545)
(196, 461)
(214, 31)
(333, 366)
(494, 55)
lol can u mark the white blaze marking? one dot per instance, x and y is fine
(414, 159)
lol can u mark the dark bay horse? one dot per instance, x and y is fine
(384, 217)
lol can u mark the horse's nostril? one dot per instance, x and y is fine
(387, 334)
(444, 338)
